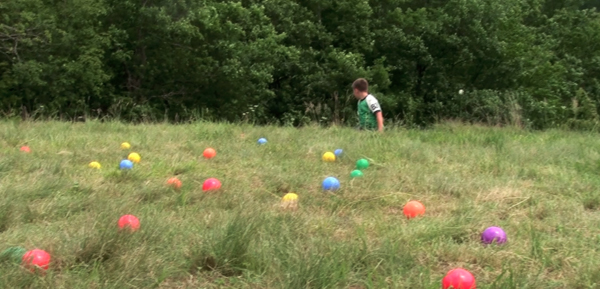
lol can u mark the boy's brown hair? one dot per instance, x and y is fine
(361, 84)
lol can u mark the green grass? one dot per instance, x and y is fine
(541, 187)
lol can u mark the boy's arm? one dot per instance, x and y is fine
(379, 116)
(375, 109)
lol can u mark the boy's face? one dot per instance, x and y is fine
(357, 93)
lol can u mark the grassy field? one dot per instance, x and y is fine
(541, 187)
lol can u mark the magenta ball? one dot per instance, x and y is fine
(493, 234)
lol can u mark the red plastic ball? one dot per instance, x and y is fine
(36, 259)
(413, 209)
(130, 222)
(211, 185)
(459, 279)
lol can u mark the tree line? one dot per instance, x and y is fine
(533, 63)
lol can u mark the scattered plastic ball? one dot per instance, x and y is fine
(25, 149)
(413, 209)
(331, 184)
(211, 184)
(174, 182)
(493, 234)
(338, 152)
(13, 254)
(129, 222)
(362, 164)
(36, 259)
(289, 201)
(134, 157)
(209, 153)
(125, 146)
(289, 197)
(126, 165)
(459, 279)
(262, 140)
(356, 174)
(95, 165)
(328, 157)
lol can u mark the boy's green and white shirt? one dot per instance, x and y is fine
(367, 107)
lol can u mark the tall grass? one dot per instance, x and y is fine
(541, 187)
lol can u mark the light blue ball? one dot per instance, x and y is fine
(262, 140)
(338, 152)
(126, 165)
(331, 184)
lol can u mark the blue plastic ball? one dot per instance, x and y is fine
(262, 140)
(126, 165)
(338, 152)
(331, 184)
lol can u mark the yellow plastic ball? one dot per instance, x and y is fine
(329, 157)
(125, 146)
(289, 202)
(95, 165)
(134, 157)
(289, 197)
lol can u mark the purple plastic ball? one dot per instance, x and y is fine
(493, 234)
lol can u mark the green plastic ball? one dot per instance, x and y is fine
(356, 174)
(13, 254)
(362, 164)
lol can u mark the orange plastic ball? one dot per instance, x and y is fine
(174, 182)
(25, 149)
(209, 153)
(413, 209)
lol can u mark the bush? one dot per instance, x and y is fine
(293, 61)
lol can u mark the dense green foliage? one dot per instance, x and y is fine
(534, 63)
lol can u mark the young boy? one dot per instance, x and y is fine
(369, 111)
